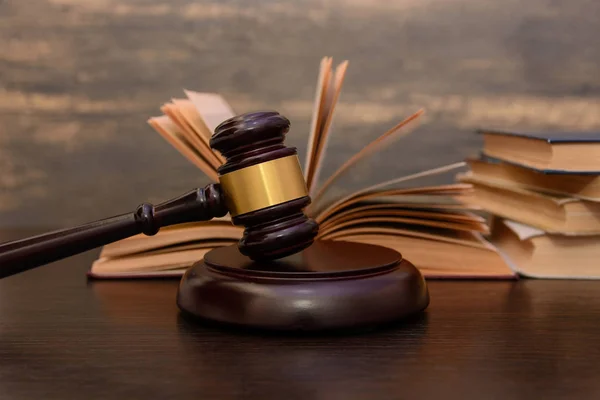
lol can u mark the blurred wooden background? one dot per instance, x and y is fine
(79, 78)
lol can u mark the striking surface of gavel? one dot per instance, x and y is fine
(277, 276)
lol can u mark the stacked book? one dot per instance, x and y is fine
(542, 191)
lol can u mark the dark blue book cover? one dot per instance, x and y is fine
(549, 137)
(492, 160)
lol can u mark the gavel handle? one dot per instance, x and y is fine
(201, 204)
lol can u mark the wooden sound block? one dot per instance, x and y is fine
(329, 285)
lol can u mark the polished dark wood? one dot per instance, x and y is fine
(282, 229)
(288, 230)
(197, 205)
(251, 138)
(63, 337)
(328, 286)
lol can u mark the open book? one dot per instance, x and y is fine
(427, 223)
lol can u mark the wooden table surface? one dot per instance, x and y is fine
(64, 337)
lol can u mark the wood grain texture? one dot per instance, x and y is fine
(62, 337)
(78, 79)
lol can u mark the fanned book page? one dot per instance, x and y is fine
(327, 98)
(429, 224)
(319, 106)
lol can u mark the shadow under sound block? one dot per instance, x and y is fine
(327, 286)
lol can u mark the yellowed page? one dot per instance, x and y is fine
(170, 132)
(148, 263)
(429, 204)
(446, 190)
(186, 130)
(398, 220)
(319, 106)
(375, 146)
(419, 175)
(379, 220)
(377, 211)
(212, 108)
(321, 145)
(465, 238)
(210, 244)
(207, 230)
(187, 113)
(192, 116)
(321, 214)
(557, 199)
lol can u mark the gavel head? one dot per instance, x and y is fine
(263, 185)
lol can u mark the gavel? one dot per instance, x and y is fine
(278, 276)
(261, 186)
